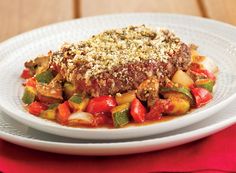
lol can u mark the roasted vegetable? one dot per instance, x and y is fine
(39, 64)
(198, 59)
(202, 74)
(69, 89)
(49, 93)
(205, 83)
(101, 104)
(50, 113)
(78, 103)
(76, 98)
(36, 108)
(31, 82)
(26, 73)
(80, 118)
(206, 63)
(52, 92)
(148, 89)
(102, 118)
(157, 109)
(120, 115)
(29, 95)
(201, 95)
(179, 105)
(182, 78)
(125, 97)
(137, 111)
(63, 113)
(183, 92)
(209, 65)
(44, 77)
(193, 52)
(53, 106)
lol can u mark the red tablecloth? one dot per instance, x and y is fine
(216, 153)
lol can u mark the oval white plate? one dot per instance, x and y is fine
(17, 50)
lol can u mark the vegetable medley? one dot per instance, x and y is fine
(64, 104)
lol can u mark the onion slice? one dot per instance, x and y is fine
(81, 118)
(209, 64)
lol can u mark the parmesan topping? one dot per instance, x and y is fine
(113, 48)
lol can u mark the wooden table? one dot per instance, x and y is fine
(17, 16)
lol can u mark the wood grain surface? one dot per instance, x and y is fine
(17, 16)
(223, 10)
(91, 7)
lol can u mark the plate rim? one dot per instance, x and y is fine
(30, 120)
(171, 140)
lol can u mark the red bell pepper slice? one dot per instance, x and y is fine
(63, 112)
(209, 74)
(102, 118)
(137, 111)
(36, 108)
(31, 82)
(204, 72)
(26, 74)
(201, 95)
(101, 104)
(160, 106)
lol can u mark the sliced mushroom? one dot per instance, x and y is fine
(52, 92)
(148, 90)
(39, 64)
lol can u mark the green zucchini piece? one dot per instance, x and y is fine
(49, 114)
(77, 98)
(120, 115)
(45, 77)
(53, 106)
(29, 95)
(78, 102)
(166, 91)
(69, 89)
(180, 105)
(127, 97)
(205, 83)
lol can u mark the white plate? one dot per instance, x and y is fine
(12, 131)
(20, 48)
(26, 136)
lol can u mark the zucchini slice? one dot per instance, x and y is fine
(125, 97)
(49, 114)
(69, 89)
(44, 77)
(180, 105)
(53, 106)
(205, 83)
(29, 95)
(120, 115)
(78, 102)
(181, 91)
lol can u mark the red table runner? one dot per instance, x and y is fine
(216, 153)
